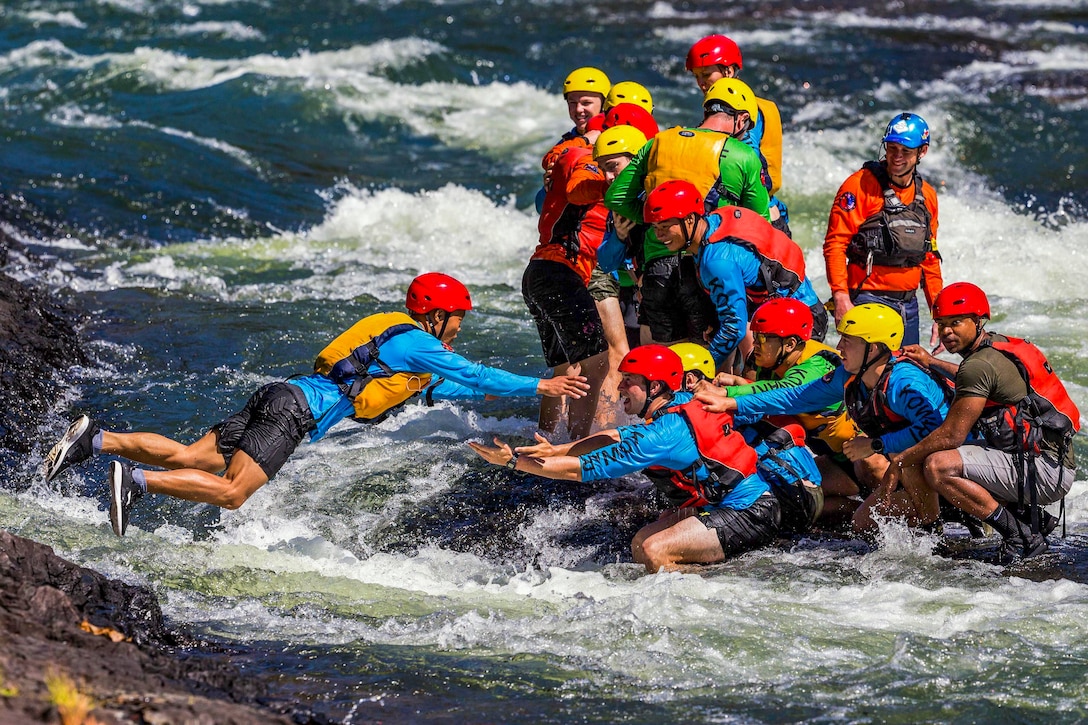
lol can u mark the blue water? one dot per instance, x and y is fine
(233, 183)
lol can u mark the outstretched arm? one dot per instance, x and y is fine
(563, 468)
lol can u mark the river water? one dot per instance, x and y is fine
(241, 180)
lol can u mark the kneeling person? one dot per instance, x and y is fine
(723, 508)
(1006, 393)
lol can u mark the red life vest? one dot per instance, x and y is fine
(872, 414)
(1019, 427)
(781, 261)
(570, 233)
(724, 452)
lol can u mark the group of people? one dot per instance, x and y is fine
(666, 283)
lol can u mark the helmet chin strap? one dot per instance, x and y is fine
(688, 237)
(866, 362)
(430, 321)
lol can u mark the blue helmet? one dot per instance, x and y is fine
(907, 129)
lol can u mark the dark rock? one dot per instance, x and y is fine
(109, 638)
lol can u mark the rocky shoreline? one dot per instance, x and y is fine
(76, 646)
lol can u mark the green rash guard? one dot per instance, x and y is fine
(800, 374)
(740, 173)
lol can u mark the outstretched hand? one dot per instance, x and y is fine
(573, 384)
(542, 449)
(500, 455)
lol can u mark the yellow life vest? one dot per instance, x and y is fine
(346, 361)
(771, 143)
(834, 429)
(688, 154)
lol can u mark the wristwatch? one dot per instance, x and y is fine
(513, 462)
(877, 445)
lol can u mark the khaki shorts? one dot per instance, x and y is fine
(996, 472)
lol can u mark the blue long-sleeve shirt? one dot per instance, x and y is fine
(414, 351)
(667, 442)
(725, 271)
(911, 394)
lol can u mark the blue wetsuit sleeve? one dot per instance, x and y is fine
(665, 442)
(423, 353)
(812, 397)
(724, 281)
(916, 397)
(449, 390)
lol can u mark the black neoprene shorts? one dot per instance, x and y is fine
(269, 427)
(741, 530)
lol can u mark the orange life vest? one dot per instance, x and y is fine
(347, 359)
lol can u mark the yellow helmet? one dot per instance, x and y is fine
(629, 92)
(587, 80)
(873, 322)
(735, 93)
(695, 357)
(619, 140)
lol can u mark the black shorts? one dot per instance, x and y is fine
(269, 427)
(745, 529)
(674, 305)
(566, 317)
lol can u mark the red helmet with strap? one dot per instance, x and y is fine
(655, 362)
(674, 199)
(713, 50)
(961, 298)
(437, 291)
(782, 317)
(630, 114)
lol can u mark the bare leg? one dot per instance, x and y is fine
(615, 334)
(240, 481)
(551, 409)
(580, 412)
(944, 474)
(153, 449)
(685, 541)
(900, 506)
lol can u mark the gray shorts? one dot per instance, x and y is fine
(995, 471)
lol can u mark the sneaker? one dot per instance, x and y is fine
(123, 493)
(1047, 521)
(1016, 548)
(75, 447)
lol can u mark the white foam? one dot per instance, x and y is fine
(371, 243)
(65, 18)
(229, 30)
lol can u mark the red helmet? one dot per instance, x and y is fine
(961, 298)
(437, 291)
(655, 362)
(596, 123)
(783, 316)
(674, 199)
(630, 114)
(713, 50)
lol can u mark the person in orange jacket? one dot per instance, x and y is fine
(881, 241)
(555, 284)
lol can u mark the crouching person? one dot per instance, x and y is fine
(722, 507)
